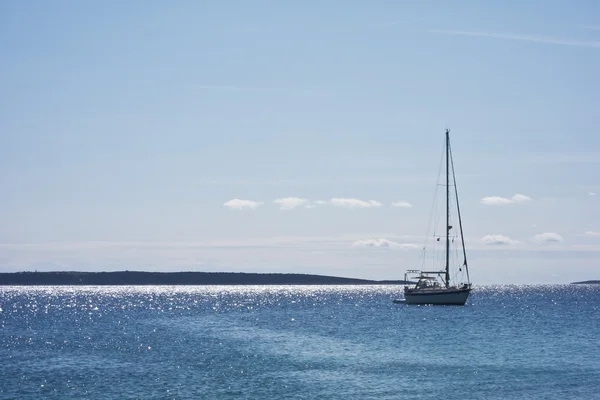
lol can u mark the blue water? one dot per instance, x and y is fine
(508, 342)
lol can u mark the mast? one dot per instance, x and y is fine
(447, 207)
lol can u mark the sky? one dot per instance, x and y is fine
(305, 137)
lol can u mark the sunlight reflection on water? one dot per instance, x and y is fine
(278, 341)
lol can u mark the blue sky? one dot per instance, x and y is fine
(125, 128)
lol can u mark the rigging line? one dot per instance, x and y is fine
(462, 238)
(423, 255)
(434, 198)
(456, 259)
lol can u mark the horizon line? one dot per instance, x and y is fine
(587, 281)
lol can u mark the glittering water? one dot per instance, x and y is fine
(509, 342)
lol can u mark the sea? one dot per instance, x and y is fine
(297, 342)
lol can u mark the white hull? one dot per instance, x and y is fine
(442, 297)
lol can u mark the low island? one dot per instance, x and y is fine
(586, 283)
(177, 278)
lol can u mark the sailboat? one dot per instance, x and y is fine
(442, 286)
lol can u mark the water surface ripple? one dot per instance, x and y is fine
(279, 342)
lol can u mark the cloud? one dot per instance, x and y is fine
(238, 204)
(384, 243)
(525, 38)
(548, 237)
(304, 254)
(497, 240)
(234, 88)
(325, 255)
(294, 202)
(591, 193)
(520, 198)
(502, 201)
(404, 204)
(348, 203)
(289, 203)
(592, 234)
(354, 203)
(255, 89)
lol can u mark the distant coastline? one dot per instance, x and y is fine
(586, 283)
(178, 278)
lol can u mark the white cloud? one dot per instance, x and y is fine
(308, 254)
(591, 233)
(592, 193)
(238, 204)
(402, 204)
(548, 237)
(520, 198)
(497, 240)
(324, 255)
(526, 38)
(496, 201)
(384, 243)
(354, 203)
(501, 201)
(257, 89)
(289, 203)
